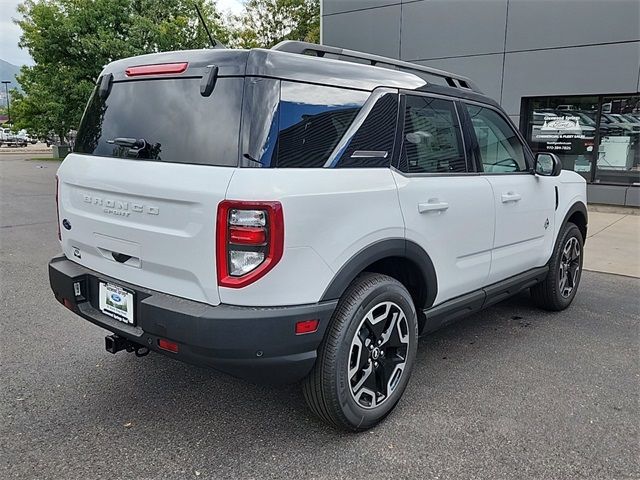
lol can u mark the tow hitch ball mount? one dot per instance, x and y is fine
(115, 343)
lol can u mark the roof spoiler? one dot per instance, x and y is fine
(306, 48)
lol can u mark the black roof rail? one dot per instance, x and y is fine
(452, 79)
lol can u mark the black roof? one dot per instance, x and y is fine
(306, 68)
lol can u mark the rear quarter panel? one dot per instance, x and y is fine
(329, 216)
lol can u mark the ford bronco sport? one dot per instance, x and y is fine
(303, 214)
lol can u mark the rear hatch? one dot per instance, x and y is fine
(155, 151)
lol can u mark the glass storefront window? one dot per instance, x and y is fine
(596, 136)
(565, 126)
(619, 146)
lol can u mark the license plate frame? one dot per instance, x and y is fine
(117, 302)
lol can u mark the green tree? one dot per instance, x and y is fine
(71, 40)
(263, 23)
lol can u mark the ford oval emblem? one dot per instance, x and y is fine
(115, 297)
(66, 224)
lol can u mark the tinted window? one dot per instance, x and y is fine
(500, 148)
(432, 140)
(176, 123)
(312, 121)
(372, 143)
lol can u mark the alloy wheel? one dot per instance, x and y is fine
(569, 267)
(378, 354)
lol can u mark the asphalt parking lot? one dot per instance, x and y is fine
(511, 393)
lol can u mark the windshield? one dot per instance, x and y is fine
(164, 120)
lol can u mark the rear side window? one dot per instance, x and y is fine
(312, 120)
(432, 140)
(169, 120)
(372, 143)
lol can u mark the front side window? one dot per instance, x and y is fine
(432, 139)
(499, 146)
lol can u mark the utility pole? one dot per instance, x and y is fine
(6, 90)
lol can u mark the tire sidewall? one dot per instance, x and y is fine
(356, 415)
(570, 231)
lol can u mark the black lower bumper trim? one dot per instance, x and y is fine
(257, 344)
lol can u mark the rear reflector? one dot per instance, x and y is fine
(167, 345)
(159, 69)
(307, 326)
(67, 303)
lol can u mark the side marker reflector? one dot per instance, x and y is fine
(307, 326)
(167, 345)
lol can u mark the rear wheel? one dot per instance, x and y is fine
(559, 288)
(366, 359)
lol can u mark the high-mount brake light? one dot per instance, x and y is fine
(157, 69)
(250, 241)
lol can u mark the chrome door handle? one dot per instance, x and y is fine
(511, 197)
(434, 206)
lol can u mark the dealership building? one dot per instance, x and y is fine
(566, 71)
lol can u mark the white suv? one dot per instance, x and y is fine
(304, 213)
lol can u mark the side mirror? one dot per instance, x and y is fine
(547, 164)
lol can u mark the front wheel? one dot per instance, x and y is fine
(559, 288)
(366, 358)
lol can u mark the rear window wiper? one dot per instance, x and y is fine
(138, 147)
(128, 142)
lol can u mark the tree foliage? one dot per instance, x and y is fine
(264, 23)
(71, 40)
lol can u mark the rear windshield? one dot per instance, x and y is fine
(168, 119)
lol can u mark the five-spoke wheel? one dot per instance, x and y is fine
(365, 360)
(378, 354)
(569, 267)
(559, 288)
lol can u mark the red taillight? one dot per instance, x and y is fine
(58, 207)
(249, 241)
(158, 69)
(247, 235)
(167, 345)
(307, 326)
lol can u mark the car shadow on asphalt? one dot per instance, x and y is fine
(157, 389)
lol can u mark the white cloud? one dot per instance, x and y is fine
(230, 6)
(10, 35)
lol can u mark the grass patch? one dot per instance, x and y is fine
(44, 159)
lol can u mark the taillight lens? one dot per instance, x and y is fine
(250, 241)
(58, 207)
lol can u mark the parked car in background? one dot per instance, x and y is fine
(11, 139)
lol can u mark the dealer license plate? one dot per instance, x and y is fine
(116, 302)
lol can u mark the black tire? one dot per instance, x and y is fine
(552, 294)
(375, 307)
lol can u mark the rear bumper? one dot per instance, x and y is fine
(257, 344)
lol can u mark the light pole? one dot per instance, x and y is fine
(6, 91)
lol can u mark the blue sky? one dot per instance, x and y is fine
(10, 33)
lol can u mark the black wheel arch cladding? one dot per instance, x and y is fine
(578, 211)
(389, 248)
